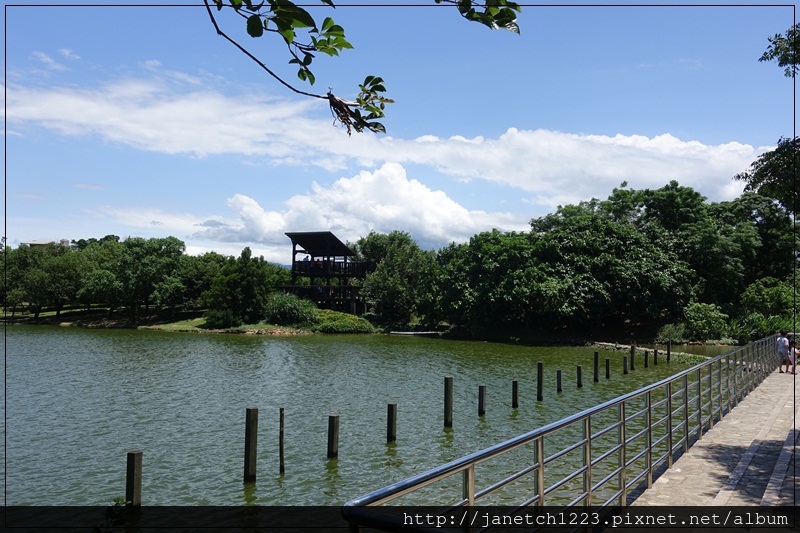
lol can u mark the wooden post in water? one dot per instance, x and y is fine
(624, 365)
(514, 394)
(580, 376)
(646, 358)
(133, 479)
(250, 444)
(333, 436)
(655, 356)
(539, 381)
(281, 467)
(608, 368)
(481, 400)
(391, 422)
(596, 367)
(633, 356)
(669, 349)
(558, 381)
(448, 401)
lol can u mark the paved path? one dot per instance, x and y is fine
(747, 458)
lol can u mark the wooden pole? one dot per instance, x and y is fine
(539, 381)
(580, 376)
(669, 349)
(481, 400)
(596, 367)
(655, 356)
(250, 444)
(333, 436)
(448, 401)
(391, 422)
(514, 394)
(624, 365)
(133, 479)
(646, 358)
(558, 381)
(608, 368)
(282, 468)
(633, 356)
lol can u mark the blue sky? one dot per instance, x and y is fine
(141, 121)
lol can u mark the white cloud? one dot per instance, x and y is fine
(381, 201)
(69, 54)
(49, 62)
(163, 114)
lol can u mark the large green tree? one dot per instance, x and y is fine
(143, 265)
(239, 294)
(401, 276)
(774, 174)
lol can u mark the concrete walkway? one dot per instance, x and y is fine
(747, 458)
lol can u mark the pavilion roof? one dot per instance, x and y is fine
(321, 244)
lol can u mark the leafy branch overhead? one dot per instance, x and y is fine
(304, 38)
(786, 49)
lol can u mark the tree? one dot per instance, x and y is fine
(705, 321)
(397, 284)
(774, 174)
(786, 49)
(143, 264)
(240, 292)
(287, 20)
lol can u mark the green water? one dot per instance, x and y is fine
(78, 400)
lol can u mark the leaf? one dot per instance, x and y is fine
(327, 24)
(255, 28)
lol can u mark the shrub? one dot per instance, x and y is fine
(288, 310)
(671, 332)
(705, 321)
(335, 322)
(220, 319)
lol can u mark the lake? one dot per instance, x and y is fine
(78, 400)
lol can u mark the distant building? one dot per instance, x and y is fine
(327, 263)
(42, 244)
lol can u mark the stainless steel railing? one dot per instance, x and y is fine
(598, 456)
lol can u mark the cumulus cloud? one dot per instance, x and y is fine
(381, 201)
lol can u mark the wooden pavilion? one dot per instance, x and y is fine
(327, 263)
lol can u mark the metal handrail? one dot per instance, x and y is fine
(692, 404)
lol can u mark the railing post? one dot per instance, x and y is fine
(685, 413)
(539, 449)
(649, 454)
(669, 424)
(469, 485)
(699, 403)
(710, 395)
(735, 385)
(587, 460)
(728, 381)
(623, 458)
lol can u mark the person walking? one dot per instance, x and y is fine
(783, 351)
